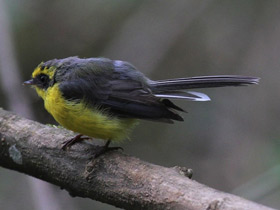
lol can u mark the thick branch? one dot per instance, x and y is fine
(113, 178)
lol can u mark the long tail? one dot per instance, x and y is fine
(172, 88)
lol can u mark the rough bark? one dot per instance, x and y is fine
(114, 178)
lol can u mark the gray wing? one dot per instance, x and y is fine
(116, 87)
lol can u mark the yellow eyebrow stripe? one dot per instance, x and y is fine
(39, 70)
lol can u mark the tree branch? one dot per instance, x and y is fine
(115, 178)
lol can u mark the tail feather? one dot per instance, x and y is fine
(176, 89)
(161, 86)
(187, 95)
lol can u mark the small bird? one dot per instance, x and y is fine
(104, 99)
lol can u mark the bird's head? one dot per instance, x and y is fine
(42, 78)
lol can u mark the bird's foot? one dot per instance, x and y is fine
(104, 149)
(69, 143)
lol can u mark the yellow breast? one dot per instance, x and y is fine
(86, 120)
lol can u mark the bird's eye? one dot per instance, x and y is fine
(43, 78)
(43, 81)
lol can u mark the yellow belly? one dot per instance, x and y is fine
(88, 121)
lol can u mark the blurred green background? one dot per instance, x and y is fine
(232, 143)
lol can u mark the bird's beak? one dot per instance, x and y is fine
(29, 82)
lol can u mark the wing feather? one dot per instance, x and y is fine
(121, 94)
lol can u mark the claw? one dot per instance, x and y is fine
(99, 151)
(67, 144)
(102, 150)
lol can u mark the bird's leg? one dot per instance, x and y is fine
(67, 144)
(105, 149)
